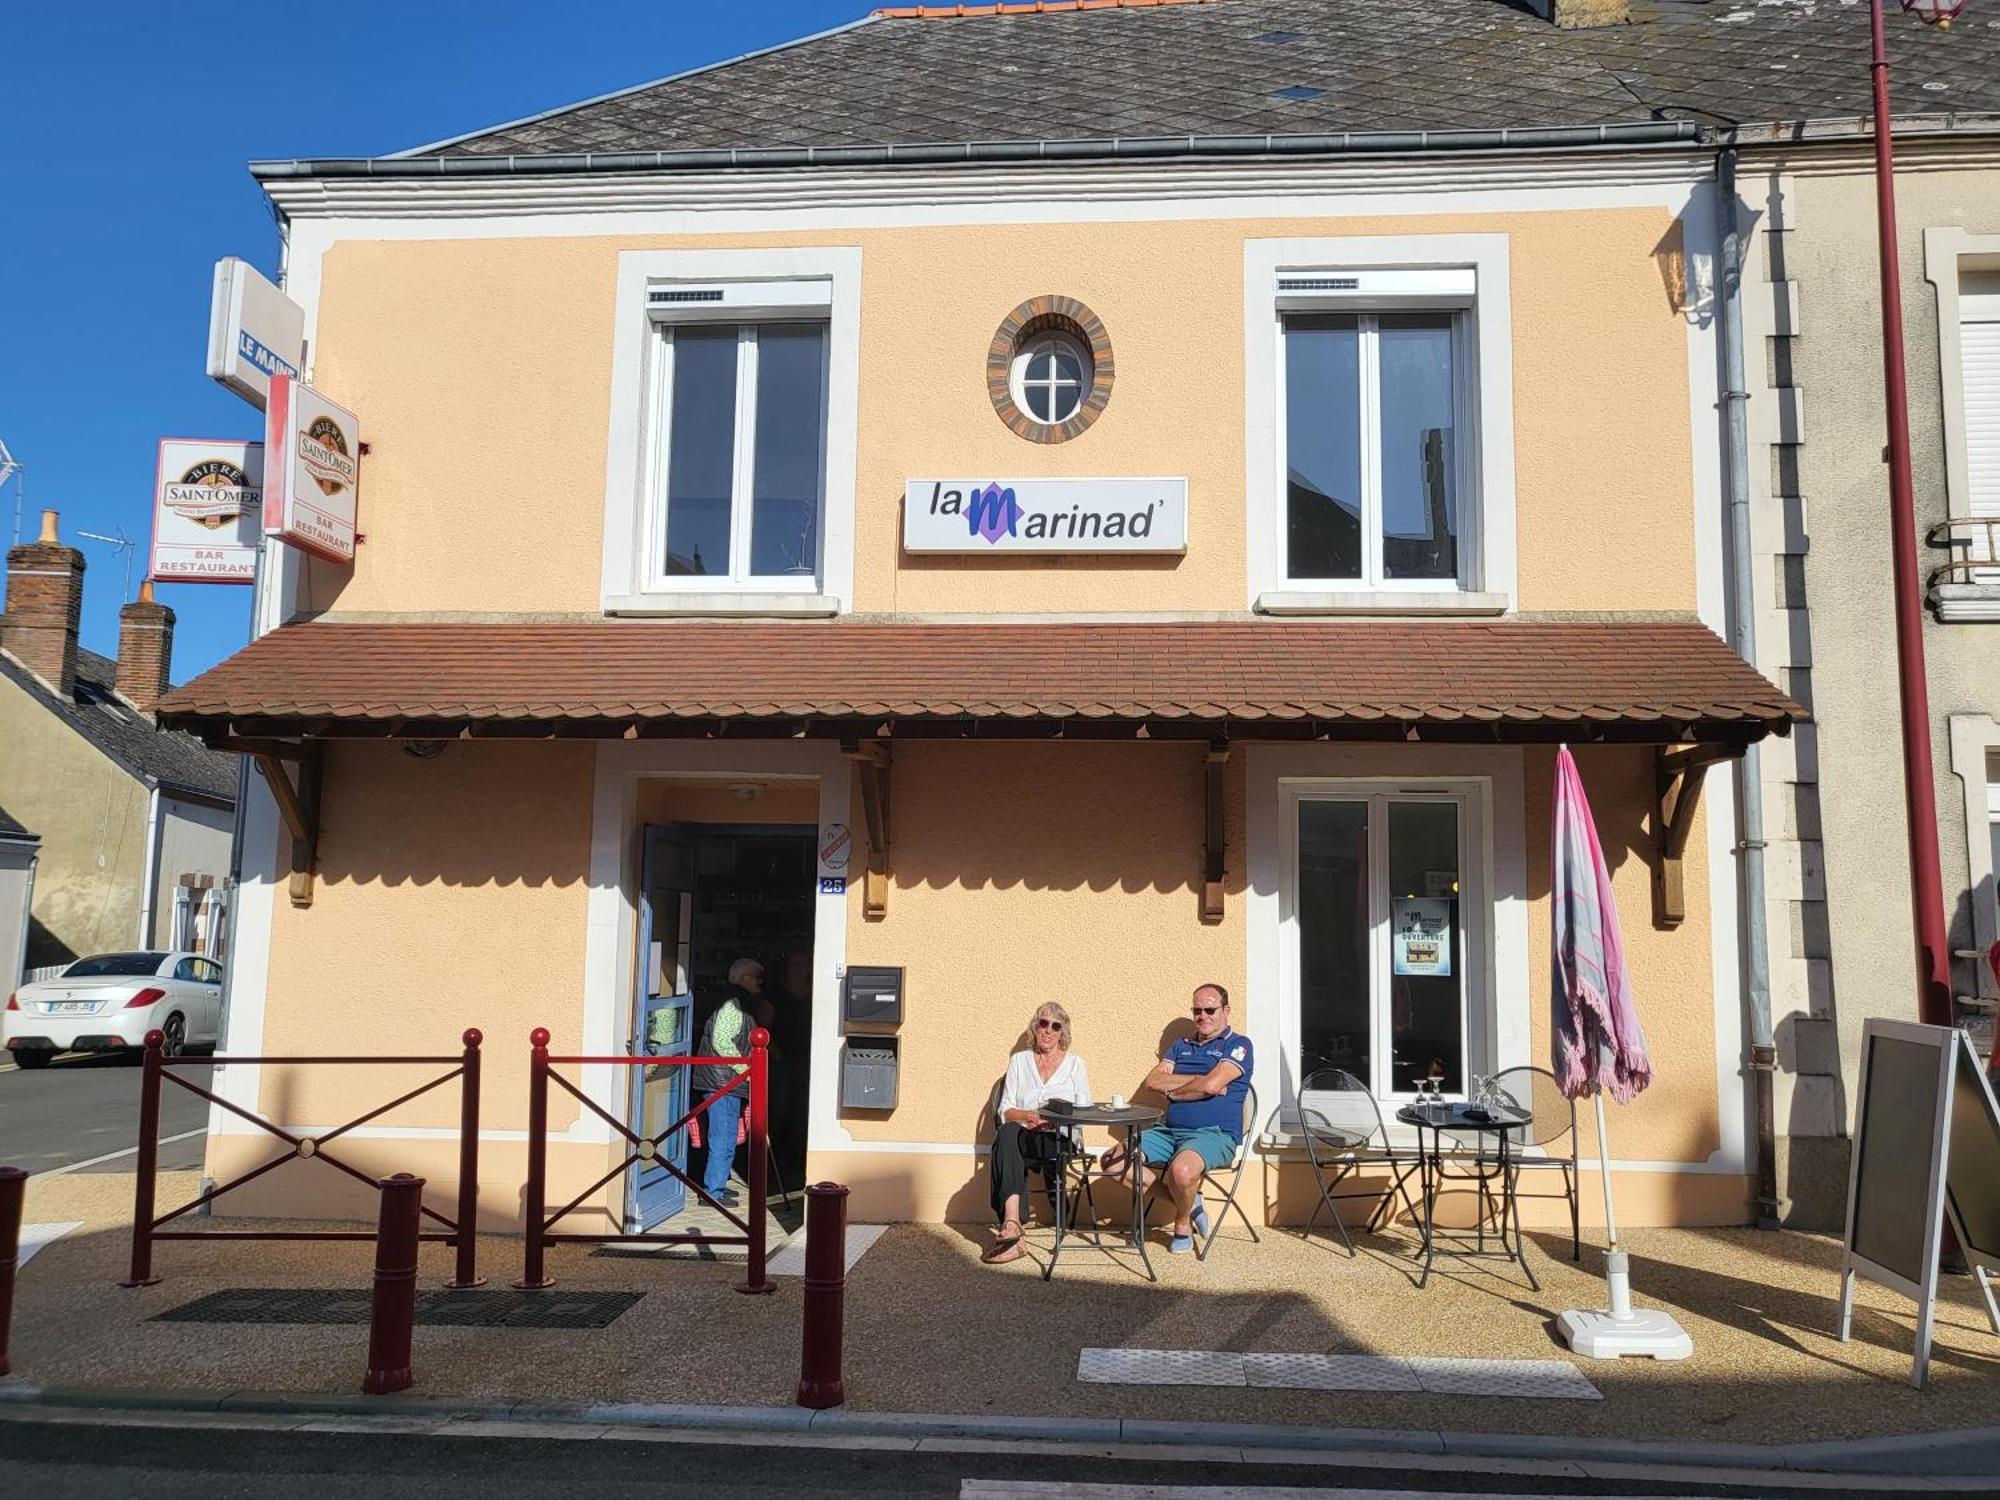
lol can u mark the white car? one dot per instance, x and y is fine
(109, 1001)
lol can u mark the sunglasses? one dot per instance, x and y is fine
(1044, 1023)
(1206, 1010)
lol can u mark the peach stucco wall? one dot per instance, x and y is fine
(481, 369)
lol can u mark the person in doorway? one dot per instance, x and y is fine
(727, 1034)
(1203, 1078)
(790, 1025)
(1044, 1071)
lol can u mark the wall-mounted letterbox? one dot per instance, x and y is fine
(868, 1073)
(871, 996)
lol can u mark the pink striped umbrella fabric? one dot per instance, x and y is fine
(1598, 1041)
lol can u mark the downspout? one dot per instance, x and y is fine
(1743, 636)
(27, 919)
(152, 875)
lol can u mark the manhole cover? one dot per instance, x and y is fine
(435, 1308)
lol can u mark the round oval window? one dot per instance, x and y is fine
(1050, 377)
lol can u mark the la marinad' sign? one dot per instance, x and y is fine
(208, 505)
(314, 470)
(1045, 515)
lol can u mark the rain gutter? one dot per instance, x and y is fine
(1743, 636)
(990, 153)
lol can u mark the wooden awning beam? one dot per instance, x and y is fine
(1213, 864)
(298, 807)
(1678, 771)
(871, 760)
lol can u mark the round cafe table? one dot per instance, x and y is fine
(1132, 1119)
(1485, 1171)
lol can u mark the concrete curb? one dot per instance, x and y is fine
(1967, 1451)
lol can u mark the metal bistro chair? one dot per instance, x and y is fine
(1209, 1179)
(1345, 1136)
(1550, 1134)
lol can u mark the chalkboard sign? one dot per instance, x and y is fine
(1927, 1144)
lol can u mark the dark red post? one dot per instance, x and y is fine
(759, 1165)
(467, 1274)
(13, 1188)
(148, 1165)
(394, 1313)
(534, 1275)
(825, 1298)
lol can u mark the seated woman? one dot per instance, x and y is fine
(1047, 1070)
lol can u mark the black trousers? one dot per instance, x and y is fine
(1015, 1150)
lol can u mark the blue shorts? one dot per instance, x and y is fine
(1162, 1143)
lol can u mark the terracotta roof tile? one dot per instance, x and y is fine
(611, 673)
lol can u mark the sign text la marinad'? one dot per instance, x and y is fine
(1045, 515)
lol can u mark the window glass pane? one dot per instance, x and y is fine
(791, 433)
(1068, 368)
(1038, 401)
(1426, 951)
(701, 450)
(1322, 448)
(1334, 994)
(1419, 506)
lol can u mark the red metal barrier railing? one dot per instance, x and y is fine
(461, 1232)
(644, 1151)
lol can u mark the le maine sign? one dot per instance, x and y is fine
(1045, 515)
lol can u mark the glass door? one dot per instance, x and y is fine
(1380, 910)
(663, 1017)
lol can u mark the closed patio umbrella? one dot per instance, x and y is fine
(1599, 1048)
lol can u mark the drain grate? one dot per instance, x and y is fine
(434, 1309)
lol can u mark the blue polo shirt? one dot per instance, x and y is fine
(1224, 1110)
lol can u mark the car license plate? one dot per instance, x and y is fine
(73, 1007)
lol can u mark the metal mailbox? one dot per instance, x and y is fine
(871, 996)
(868, 1073)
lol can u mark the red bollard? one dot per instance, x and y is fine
(467, 1274)
(826, 1292)
(13, 1188)
(759, 1143)
(148, 1165)
(534, 1274)
(394, 1312)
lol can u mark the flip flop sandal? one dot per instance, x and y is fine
(1001, 1253)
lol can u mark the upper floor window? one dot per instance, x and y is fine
(1380, 415)
(1051, 376)
(743, 442)
(1371, 465)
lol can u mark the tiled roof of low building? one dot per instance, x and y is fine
(1254, 68)
(10, 827)
(1656, 676)
(167, 758)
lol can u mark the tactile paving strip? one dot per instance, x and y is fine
(1537, 1379)
(1329, 1372)
(1160, 1367)
(436, 1308)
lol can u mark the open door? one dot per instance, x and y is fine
(663, 1019)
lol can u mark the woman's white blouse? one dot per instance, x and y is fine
(1024, 1088)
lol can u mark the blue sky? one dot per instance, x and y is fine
(124, 132)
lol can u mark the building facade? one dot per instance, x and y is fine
(1164, 548)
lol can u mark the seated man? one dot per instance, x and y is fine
(1204, 1078)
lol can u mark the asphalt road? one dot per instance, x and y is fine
(86, 1105)
(54, 1461)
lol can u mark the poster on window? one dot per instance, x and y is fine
(1423, 936)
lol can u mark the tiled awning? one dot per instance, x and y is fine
(1645, 680)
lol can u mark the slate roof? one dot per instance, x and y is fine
(1221, 68)
(166, 758)
(11, 829)
(1653, 676)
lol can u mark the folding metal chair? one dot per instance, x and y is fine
(1552, 1126)
(1345, 1137)
(1210, 1180)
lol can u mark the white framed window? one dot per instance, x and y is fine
(1379, 425)
(1050, 377)
(730, 481)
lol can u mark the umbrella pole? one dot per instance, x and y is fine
(1617, 1268)
(1604, 1176)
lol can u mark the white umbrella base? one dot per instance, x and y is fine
(1598, 1335)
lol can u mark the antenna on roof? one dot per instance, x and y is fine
(12, 468)
(119, 543)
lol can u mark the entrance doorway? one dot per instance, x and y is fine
(713, 894)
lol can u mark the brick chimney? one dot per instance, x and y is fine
(1581, 15)
(145, 650)
(44, 606)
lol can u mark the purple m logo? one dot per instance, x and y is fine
(992, 513)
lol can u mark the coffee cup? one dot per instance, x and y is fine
(1118, 1101)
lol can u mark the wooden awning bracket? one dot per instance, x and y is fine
(871, 760)
(1213, 865)
(1678, 771)
(299, 808)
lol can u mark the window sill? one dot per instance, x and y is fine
(746, 604)
(1380, 602)
(1966, 603)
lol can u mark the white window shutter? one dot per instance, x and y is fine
(1980, 352)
